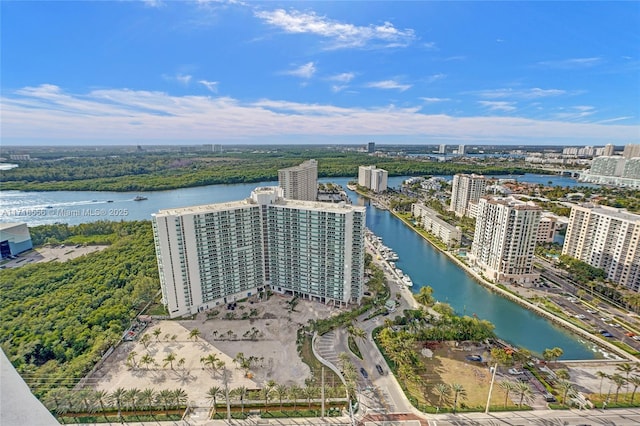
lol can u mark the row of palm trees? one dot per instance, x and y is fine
(63, 400)
(624, 376)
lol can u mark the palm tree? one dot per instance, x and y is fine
(563, 374)
(146, 398)
(281, 391)
(309, 392)
(627, 369)
(147, 359)
(266, 390)
(102, 397)
(169, 359)
(194, 334)
(356, 332)
(443, 391)
(213, 393)
(458, 392)
(87, 397)
(635, 381)
(425, 296)
(145, 340)
(294, 392)
(156, 334)
(131, 397)
(131, 359)
(56, 399)
(619, 381)
(165, 398)
(241, 391)
(507, 386)
(181, 362)
(524, 391)
(180, 397)
(566, 387)
(210, 361)
(602, 375)
(116, 398)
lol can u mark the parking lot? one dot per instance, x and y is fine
(61, 253)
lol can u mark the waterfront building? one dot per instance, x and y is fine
(461, 150)
(215, 254)
(429, 220)
(442, 149)
(609, 150)
(549, 227)
(607, 166)
(464, 189)
(300, 182)
(607, 238)
(616, 170)
(631, 150)
(14, 239)
(505, 238)
(631, 168)
(373, 178)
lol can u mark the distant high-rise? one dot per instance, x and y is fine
(372, 178)
(505, 238)
(461, 150)
(442, 149)
(371, 147)
(214, 254)
(465, 189)
(609, 150)
(631, 151)
(607, 238)
(300, 182)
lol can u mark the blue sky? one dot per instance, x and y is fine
(419, 72)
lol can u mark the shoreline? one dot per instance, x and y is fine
(516, 299)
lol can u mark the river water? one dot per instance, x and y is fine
(419, 259)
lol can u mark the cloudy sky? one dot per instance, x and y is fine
(420, 72)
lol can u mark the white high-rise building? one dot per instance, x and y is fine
(606, 238)
(300, 182)
(505, 239)
(214, 254)
(609, 150)
(465, 189)
(372, 178)
(631, 150)
(442, 149)
(461, 150)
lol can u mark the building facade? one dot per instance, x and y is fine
(505, 239)
(428, 218)
(14, 239)
(373, 178)
(464, 189)
(300, 182)
(606, 238)
(214, 254)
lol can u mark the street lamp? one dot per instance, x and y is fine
(493, 377)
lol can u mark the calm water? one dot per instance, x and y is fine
(425, 265)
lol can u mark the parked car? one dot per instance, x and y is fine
(380, 370)
(364, 373)
(515, 371)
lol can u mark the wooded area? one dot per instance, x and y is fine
(57, 319)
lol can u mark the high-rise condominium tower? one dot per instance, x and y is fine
(214, 254)
(505, 239)
(300, 182)
(466, 188)
(607, 238)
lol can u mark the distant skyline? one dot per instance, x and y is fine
(335, 72)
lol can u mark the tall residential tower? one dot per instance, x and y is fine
(300, 182)
(464, 189)
(214, 254)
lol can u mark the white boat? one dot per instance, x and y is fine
(407, 281)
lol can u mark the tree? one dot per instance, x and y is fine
(566, 388)
(443, 391)
(563, 374)
(356, 332)
(146, 398)
(635, 381)
(169, 359)
(458, 392)
(309, 392)
(627, 369)
(281, 391)
(602, 375)
(241, 391)
(507, 386)
(266, 390)
(180, 397)
(210, 361)
(294, 393)
(145, 340)
(523, 389)
(146, 360)
(619, 381)
(213, 393)
(102, 397)
(131, 397)
(156, 333)
(116, 398)
(194, 334)
(131, 359)
(165, 398)
(425, 296)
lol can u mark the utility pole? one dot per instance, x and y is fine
(322, 393)
(493, 377)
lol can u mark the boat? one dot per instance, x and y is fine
(109, 201)
(407, 281)
(140, 198)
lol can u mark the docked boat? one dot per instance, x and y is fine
(407, 281)
(140, 198)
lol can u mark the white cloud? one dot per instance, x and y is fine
(183, 79)
(344, 77)
(571, 63)
(388, 84)
(153, 3)
(340, 34)
(49, 114)
(498, 105)
(435, 77)
(304, 71)
(532, 93)
(434, 100)
(211, 85)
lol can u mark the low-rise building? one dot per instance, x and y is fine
(14, 239)
(429, 220)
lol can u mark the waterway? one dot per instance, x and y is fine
(418, 258)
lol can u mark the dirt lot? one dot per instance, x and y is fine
(274, 345)
(47, 254)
